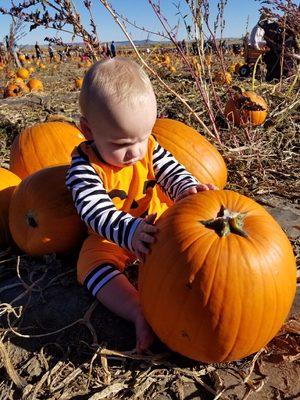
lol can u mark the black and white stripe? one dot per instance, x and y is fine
(99, 277)
(171, 176)
(96, 208)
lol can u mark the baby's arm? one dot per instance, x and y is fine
(97, 210)
(172, 176)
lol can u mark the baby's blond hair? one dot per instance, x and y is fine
(118, 79)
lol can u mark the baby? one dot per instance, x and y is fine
(117, 179)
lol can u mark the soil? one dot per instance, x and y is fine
(58, 343)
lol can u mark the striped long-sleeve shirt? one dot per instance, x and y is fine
(94, 204)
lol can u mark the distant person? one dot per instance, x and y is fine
(195, 48)
(14, 50)
(61, 55)
(113, 49)
(183, 46)
(108, 52)
(51, 52)
(279, 46)
(38, 51)
(256, 38)
(223, 46)
(282, 50)
(7, 43)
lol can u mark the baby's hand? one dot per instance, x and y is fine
(195, 189)
(143, 236)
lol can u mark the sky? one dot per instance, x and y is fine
(237, 12)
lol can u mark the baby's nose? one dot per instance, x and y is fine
(133, 152)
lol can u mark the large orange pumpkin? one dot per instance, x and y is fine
(246, 107)
(192, 150)
(220, 279)
(8, 182)
(42, 217)
(43, 145)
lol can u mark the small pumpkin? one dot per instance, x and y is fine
(78, 83)
(220, 279)
(22, 57)
(8, 182)
(43, 145)
(246, 107)
(23, 73)
(35, 85)
(42, 217)
(13, 90)
(192, 150)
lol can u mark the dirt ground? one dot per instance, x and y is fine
(58, 343)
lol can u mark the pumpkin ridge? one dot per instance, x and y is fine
(206, 296)
(220, 321)
(205, 256)
(261, 255)
(181, 316)
(242, 295)
(275, 284)
(36, 153)
(218, 247)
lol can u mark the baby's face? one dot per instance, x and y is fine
(121, 132)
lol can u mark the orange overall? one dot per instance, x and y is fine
(132, 189)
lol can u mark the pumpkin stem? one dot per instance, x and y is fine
(227, 222)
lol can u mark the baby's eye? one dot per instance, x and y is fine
(119, 144)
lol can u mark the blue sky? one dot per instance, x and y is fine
(236, 14)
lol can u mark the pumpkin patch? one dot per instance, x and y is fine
(213, 315)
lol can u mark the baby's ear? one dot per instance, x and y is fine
(85, 129)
